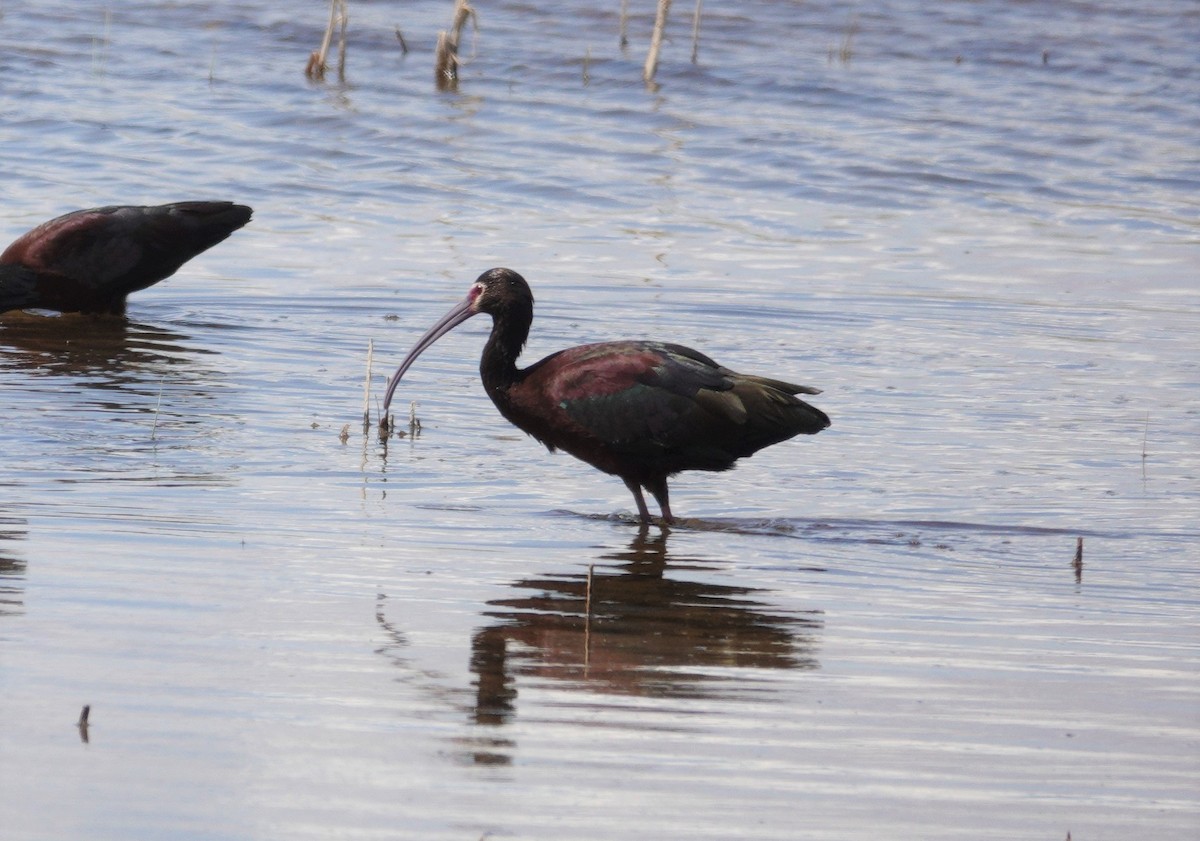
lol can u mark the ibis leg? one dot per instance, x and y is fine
(643, 511)
(658, 487)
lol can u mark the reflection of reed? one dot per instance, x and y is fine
(648, 634)
(12, 570)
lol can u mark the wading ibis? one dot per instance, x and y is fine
(639, 410)
(90, 260)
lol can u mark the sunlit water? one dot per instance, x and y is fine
(975, 226)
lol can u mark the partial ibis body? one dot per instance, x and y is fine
(90, 260)
(639, 410)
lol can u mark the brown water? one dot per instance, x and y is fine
(977, 231)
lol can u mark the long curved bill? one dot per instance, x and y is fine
(460, 313)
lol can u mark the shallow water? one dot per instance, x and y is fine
(975, 226)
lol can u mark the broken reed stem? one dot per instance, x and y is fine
(445, 71)
(462, 13)
(623, 31)
(660, 23)
(367, 386)
(446, 58)
(696, 31)
(1078, 562)
(414, 422)
(316, 61)
(82, 724)
(387, 424)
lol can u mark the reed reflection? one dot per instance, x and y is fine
(12, 569)
(650, 632)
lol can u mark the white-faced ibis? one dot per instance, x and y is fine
(90, 260)
(639, 410)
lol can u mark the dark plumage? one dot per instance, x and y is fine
(639, 410)
(90, 260)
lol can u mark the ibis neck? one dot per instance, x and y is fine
(498, 367)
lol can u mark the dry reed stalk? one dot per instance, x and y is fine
(342, 42)
(445, 69)
(446, 59)
(315, 69)
(660, 24)
(1078, 562)
(367, 386)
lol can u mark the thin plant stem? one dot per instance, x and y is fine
(660, 24)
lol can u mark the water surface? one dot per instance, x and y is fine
(975, 226)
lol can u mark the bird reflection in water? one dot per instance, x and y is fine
(111, 352)
(117, 366)
(156, 383)
(648, 634)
